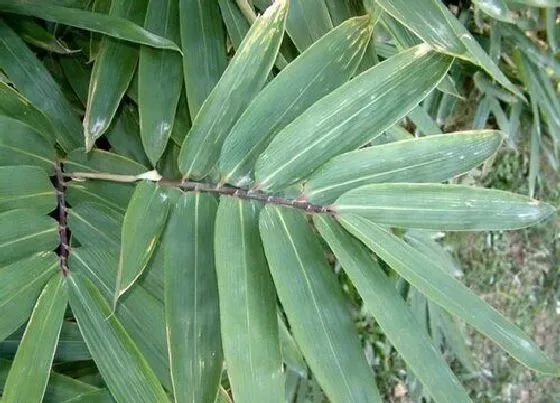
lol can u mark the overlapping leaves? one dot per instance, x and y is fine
(194, 279)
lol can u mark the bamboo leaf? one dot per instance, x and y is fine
(204, 49)
(497, 9)
(247, 305)
(35, 354)
(160, 79)
(117, 26)
(350, 116)
(16, 106)
(20, 285)
(26, 184)
(22, 145)
(96, 225)
(34, 34)
(302, 29)
(24, 232)
(143, 224)
(242, 80)
(539, 3)
(315, 306)
(33, 80)
(427, 159)
(125, 138)
(191, 300)
(112, 72)
(434, 282)
(236, 23)
(434, 23)
(295, 89)
(78, 75)
(442, 207)
(123, 367)
(396, 320)
(136, 309)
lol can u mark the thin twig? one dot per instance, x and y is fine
(62, 224)
(210, 188)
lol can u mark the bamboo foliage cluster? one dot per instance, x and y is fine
(171, 213)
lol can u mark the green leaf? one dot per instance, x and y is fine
(96, 225)
(136, 309)
(117, 26)
(22, 145)
(34, 81)
(436, 283)
(427, 159)
(350, 116)
(236, 23)
(35, 354)
(16, 106)
(143, 224)
(242, 80)
(307, 22)
(112, 72)
(34, 34)
(247, 305)
(436, 25)
(20, 285)
(26, 184)
(497, 9)
(24, 232)
(78, 75)
(191, 300)
(539, 3)
(388, 308)
(160, 79)
(442, 207)
(123, 367)
(315, 306)
(294, 90)
(204, 49)
(70, 347)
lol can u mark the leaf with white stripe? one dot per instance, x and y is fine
(247, 305)
(442, 207)
(426, 159)
(143, 224)
(315, 306)
(192, 311)
(351, 115)
(437, 285)
(288, 95)
(25, 232)
(35, 354)
(121, 364)
(20, 285)
(26, 186)
(389, 309)
(240, 83)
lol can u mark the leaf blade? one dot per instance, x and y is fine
(36, 351)
(434, 281)
(247, 305)
(350, 116)
(442, 207)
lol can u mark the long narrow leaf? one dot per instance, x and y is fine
(242, 80)
(121, 364)
(191, 300)
(143, 223)
(350, 116)
(35, 353)
(26, 186)
(112, 72)
(204, 49)
(160, 79)
(442, 207)
(428, 159)
(247, 305)
(295, 89)
(34, 81)
(382, 300)
(315, 306)
(434, 282)
(20, 285)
